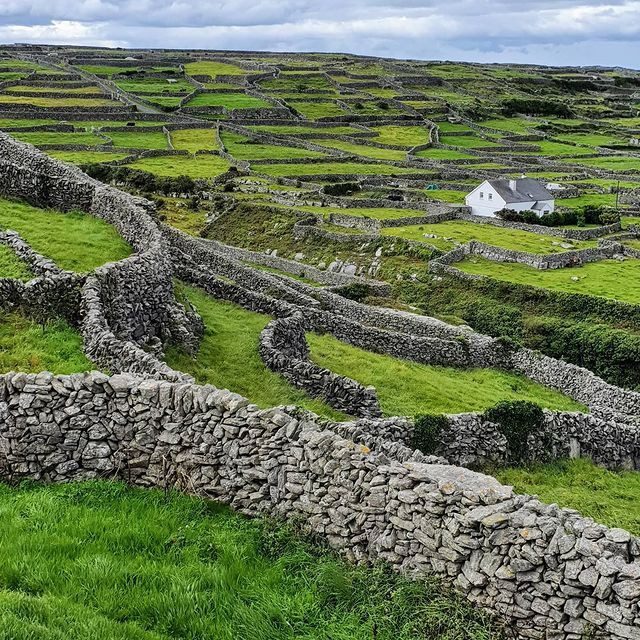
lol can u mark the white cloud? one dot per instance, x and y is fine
(536, 30)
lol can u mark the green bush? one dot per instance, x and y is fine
(356, 291)
(535, 107)
(516, 420)
(495, 319)
(426, 432)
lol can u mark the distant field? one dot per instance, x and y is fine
(38, 138)
(213, 69)
(246, 149)
(74, 241)
(194, 139)
(86, 157)
(362, 149)
(44, 90)
(227, 100)
(201, 166)
(454, 231)
(336, 168)
(607, 278)
(138, 139)
(56, 102)
(407, 388)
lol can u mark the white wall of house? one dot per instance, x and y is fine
(485, 201)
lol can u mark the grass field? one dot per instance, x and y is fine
(362, 149)
(443, 154)
(213, 69)
(201, 166)
(229, 359)
(227, 100)
(55, 102)
(609, 498)
(194, 139)
(26, 346)
(408, 136)
(138, 139)
(337, 168)
(314, 110)
(44, 90)
(86, 157)
(408, 388)
(11, 266)
(103, 561)
(607, 278)
(38, 138)
(244, 148)
(75, 241)
(458, 231)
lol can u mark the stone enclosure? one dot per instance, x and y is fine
(549, 572)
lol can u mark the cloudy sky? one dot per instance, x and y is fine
(540, 31)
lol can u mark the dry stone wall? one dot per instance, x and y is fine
(552, 573)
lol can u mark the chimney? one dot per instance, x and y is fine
(512, 184)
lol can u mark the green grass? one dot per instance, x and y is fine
(229, 358)
(607, 278)
(227, 100)
(315, 110)
(294, 129)
(448, 195)
(75, 241)
(448, 233)
(443, 154)
(194, 139)
(201, 166)
(138, 139)
(466, 142)
(244, 148)
(408, 388)
(613, 163)
(44, 90)
(38, 138)
(86, 157)
(609, 498)
(607, 199)
(409, 136)
(511, 125)
(335, 168)
(213, 69)
(104, 561)
(106, 70)
(26, 346)
(56, 102)
(155, 85)
(24, 122)
(362, 149)
(11, 266)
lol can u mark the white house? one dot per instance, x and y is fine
(519, 194)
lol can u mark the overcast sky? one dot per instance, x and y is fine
(538, 31)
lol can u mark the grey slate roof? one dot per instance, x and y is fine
(527, 190)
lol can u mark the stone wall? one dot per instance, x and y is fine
(137, 292)
(550, 572)
(284, 349)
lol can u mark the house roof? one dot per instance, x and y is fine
(526, 190)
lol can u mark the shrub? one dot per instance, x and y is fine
(609, 217)
(535, 107)
(356, 291)
(516, 420)
(427, 431)
(494, 318)
(340, 188)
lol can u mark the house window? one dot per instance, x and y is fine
(490, 196)
(481, 195)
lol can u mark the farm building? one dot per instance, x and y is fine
(519, 194)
